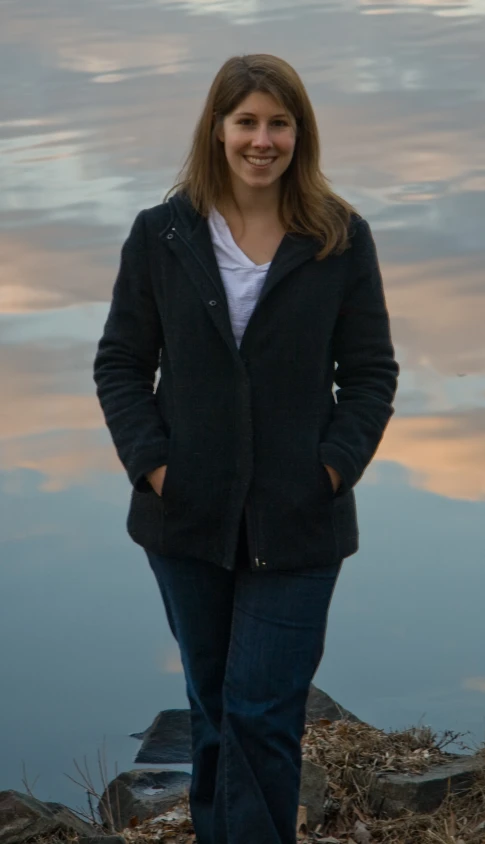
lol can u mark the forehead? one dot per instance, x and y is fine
(259, 102)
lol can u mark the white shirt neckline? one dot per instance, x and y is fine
(237, 254)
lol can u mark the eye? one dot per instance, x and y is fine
(245, 121)
(280, 122)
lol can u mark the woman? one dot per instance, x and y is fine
(246, 288)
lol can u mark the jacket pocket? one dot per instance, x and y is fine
(168, 495)
(165, 496)
(327, 482)
(145, 520)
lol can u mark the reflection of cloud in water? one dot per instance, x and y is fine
(52, 423)
(54, 172)
(47, 389)
(443, 8)
(36, 272)
(437, 309)
(63, 458)
(77, 323)
(476, 684)
(443, 454)
(231, 7)
(171, 663)
(34, 414)
(243, 10)
(161, 55)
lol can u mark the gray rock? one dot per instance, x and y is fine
(23, 817)
(313, 792)
(141, 794)
(320, 705)
(168, 740)
(390, 794)
(140, 736)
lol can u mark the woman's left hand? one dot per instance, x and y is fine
(334, 477)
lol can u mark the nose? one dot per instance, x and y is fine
(261, 138)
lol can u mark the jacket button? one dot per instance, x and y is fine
(212, 302)
(169, 236)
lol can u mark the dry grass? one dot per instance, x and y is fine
(344, 748)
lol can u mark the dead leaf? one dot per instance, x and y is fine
(134, 821)
(360, 815)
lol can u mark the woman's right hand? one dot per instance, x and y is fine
(157, 478)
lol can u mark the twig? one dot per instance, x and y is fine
(25, 781)
(87, 784)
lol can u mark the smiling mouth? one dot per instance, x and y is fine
(257, 161)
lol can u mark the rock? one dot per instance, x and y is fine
(320, 705)
(142, 794)
(23, 817)
(140, 736)
(313, 792)
(361, 834)
(301, 822)
(102, 839)
(168, 740)
(390, 794)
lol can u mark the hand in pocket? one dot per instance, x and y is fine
(335, 478)
(157, 479)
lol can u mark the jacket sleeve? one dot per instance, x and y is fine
(126, 363)
(367, 372)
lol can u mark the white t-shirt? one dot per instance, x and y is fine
(242, 278)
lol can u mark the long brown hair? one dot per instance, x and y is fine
(307, 204)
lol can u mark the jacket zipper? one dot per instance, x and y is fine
(251, 521)
(252, 538)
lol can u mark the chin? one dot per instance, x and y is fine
(260, 182)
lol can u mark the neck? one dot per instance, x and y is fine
(253, 202)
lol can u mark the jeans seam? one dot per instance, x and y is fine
(224, 720)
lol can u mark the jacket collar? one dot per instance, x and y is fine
(194, 230)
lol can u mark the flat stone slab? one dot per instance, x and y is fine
(390, 794)
(168, 740)
(142, 794)
(313, 792)
(23, 818)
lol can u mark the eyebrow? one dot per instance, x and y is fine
(250, 114)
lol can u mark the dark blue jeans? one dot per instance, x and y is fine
(250, 644)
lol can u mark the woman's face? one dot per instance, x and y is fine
(259, 140)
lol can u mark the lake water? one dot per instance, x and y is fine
(98, 102)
